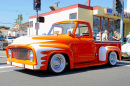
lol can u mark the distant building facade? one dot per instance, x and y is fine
(4, 32)
(16, 31)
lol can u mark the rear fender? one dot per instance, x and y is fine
(105, 50)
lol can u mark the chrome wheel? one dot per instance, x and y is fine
(57, 63)
(112, 58)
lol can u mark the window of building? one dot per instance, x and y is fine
(31, 23)
(111, 29)
(96, 25)
(104, 24)
(17, 35)
(22, 27)
(73, 16)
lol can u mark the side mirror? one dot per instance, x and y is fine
(69, 33)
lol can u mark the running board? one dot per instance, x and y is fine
(86, 64)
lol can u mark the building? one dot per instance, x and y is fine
(4, 32)
(16, 32)
(100, 18)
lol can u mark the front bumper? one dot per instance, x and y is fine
(26, 64)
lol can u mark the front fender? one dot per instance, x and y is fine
(44, 52)
(104, 51)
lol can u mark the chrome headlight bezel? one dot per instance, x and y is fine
(31, 55)
(10, 53)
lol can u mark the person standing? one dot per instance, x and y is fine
(99, 36)
(104, 36)
(116, 36)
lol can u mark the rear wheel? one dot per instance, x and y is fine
(57, 63)
(112, 58)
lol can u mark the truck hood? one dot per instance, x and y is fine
(41, 39)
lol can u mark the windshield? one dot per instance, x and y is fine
(62, 28)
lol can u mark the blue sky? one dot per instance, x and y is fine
(9, 9)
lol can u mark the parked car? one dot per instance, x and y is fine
(10, 40)
(3, 44)
(126, 49)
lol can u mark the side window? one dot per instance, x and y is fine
(82, 30)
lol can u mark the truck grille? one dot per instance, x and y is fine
(20, 53)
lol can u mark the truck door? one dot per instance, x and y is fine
(84, 44)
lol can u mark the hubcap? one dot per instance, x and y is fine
(58, 63)
(113, 58)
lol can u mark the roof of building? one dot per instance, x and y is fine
(3, 29)
(63, 9)
(16, 30)
(21, 24)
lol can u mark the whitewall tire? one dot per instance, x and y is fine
(112, 58)
(57, 63)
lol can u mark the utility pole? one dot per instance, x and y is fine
(36, 21)
(118, 7)
(37, 6)
(121, 22)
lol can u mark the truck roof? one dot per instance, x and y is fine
(75, 20)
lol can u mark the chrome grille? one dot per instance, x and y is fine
(20, 53)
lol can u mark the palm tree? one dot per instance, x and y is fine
(20, 19)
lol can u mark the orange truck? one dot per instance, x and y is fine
(68, 44)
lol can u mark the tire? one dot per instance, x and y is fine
(112, 58)
(57, 63)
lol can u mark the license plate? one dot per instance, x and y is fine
(124, 54)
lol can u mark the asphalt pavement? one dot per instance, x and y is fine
(103, 75)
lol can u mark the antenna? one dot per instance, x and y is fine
(57, 3)
(86, 2)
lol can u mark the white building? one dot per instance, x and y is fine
(4, 32)
(66, 13)
(16, 32)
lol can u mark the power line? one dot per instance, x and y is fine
(6, 23)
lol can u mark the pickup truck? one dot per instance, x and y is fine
(69, 43)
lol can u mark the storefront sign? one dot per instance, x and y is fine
(109, 11)
(36, 26)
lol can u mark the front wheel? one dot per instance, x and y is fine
(112, 58)
(57, 63)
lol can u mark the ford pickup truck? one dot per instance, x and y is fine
(69, 43)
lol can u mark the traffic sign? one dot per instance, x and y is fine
(36, 26)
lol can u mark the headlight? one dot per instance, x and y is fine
(31, 55)
(10, 53)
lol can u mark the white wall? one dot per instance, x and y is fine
(128, 6)
(49, 20)
(13, 33)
